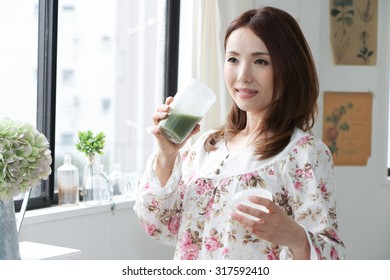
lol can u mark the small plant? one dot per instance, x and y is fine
(89, 144)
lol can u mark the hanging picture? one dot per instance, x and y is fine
(354, 31)
(347, 126)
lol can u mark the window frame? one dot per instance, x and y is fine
(47, 73)
(46, 86)
(172, 36)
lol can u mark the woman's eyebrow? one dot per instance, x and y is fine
(252, 54)
(259, 53)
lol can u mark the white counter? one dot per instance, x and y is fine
(39, 251)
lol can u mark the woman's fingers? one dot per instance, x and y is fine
(263, 217)
(256, 227)
(275, 226)
(162, 111)
(168, 100)
(194, 131)
(269, 204)
(158, 116)
(256, 213)
(155, 130)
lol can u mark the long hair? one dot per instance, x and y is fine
(294, 99)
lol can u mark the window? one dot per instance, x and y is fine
(114, 36)
(19, 63)
(67, 76)
(18, 60)
(67, 139)
(102, 65)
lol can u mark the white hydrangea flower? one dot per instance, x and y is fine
(25, 157)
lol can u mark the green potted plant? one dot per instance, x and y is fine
(92, 146)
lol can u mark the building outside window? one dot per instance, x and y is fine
(19, 61)
(118, 65)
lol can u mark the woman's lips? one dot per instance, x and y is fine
(245, 92)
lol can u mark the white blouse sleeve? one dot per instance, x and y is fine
(308, 177)
(159, 207)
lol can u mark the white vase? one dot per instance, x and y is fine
(9, 243)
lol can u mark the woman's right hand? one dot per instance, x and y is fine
(166, 147)
(167, 150)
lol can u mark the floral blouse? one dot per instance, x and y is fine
(192, 211)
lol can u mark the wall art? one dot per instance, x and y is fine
(354, 31)
(347, 126)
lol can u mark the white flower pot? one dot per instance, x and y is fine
(9, 243)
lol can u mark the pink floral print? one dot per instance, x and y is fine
(334, 254)
(212, 244)
(246, 177)
(225, 251)
(193, 211)
(304, 140)
(147, 190)
(173, 224)
(272, 255)
(189, 252)
(150, 229)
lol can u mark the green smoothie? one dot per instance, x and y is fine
(177, 126)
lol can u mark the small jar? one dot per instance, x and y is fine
(117, 181)
(68, 183)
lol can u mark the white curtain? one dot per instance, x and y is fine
(203, 26)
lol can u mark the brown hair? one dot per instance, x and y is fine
(294, 100)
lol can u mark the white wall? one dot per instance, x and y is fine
(363, 195)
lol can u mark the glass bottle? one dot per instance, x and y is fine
(132, 180)
(96, 182)
(117, 181)
(68, 183)
(102, 179)
(91, 188)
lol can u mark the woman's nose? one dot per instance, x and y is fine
(244, 74)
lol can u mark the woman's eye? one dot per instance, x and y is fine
(232, 59)
(261, 62)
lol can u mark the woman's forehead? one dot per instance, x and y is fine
(244, 39)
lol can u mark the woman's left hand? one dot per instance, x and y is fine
(275, 226)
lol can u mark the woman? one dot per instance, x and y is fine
(185, 200)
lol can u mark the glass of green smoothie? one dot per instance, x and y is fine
(189, 106)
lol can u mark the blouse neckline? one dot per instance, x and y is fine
(223, 163)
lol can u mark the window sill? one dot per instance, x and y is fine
(56, 213)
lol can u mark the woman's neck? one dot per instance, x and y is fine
(247, 136)
(244, 138)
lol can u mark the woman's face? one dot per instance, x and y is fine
(248, 71)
